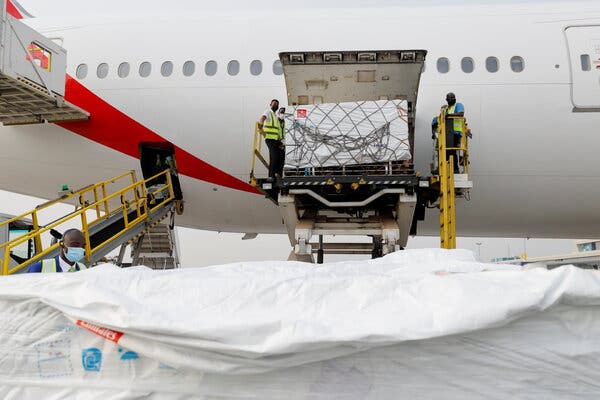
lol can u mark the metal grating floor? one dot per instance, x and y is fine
(24, 102)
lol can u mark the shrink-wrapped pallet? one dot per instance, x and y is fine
(347, 134)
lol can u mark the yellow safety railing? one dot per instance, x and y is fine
(462, 152)
(132, 197)
(446, 176)
(257, 153)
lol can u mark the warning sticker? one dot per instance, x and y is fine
(301, 113)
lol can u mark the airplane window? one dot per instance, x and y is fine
(467, 64)
(102, 70)
(210, 68)
(277, 68)
(123, 70)
(81, 71)
(256, 67)
(586, 64)
(491, 64)
(517, 64)
(233, 68)
(443, 65)
(145, 69)
(166, 69)
(189, 68)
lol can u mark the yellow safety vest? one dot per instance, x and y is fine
(49, 265)
(272, 127)
(458, 125)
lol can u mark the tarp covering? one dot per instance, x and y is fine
(341, 134)
(414, 324)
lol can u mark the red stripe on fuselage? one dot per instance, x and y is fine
(114, 129)
(12, 10)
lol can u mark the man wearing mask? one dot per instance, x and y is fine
(270, 125)
(71, 252)
(454, 127)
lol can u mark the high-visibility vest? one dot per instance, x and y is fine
(49, 265)
(457, 122)
(272, 127)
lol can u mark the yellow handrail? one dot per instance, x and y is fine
(138, 204)
(463, 160)
(257, 153)
(68, 196)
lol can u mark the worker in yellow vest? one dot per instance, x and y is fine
(71, 252)
(454, 127)
(271, 128)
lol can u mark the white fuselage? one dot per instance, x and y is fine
(534, 160)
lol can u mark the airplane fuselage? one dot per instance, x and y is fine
(534, 150)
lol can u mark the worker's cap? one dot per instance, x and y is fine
(450, 96)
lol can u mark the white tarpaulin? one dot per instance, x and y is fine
(424, 324)
(341, 134)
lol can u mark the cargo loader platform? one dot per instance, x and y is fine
(334, 194)
(32, 76)
(377, 206)
(326, 188)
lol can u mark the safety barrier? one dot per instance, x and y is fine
(257, 153)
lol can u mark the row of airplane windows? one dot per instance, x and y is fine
(166, 69)
(467, 65)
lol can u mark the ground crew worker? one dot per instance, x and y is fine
(454, 127)
(270, 125)
(71, 252)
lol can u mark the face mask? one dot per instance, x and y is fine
(74, 254)
(274, 108)
(451, 102)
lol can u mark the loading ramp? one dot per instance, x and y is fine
(111, 214)
(382, 201)
(32, 76)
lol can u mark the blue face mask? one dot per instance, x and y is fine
(74, 254)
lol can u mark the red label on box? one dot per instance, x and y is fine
(106, 333)
(301, 113)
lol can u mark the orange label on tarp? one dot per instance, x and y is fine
(301, 113)
(106, 333)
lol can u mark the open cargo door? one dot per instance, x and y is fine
(346, 76)
(327, 78)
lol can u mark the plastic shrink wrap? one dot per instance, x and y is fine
(424, 324)
(342, 134)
